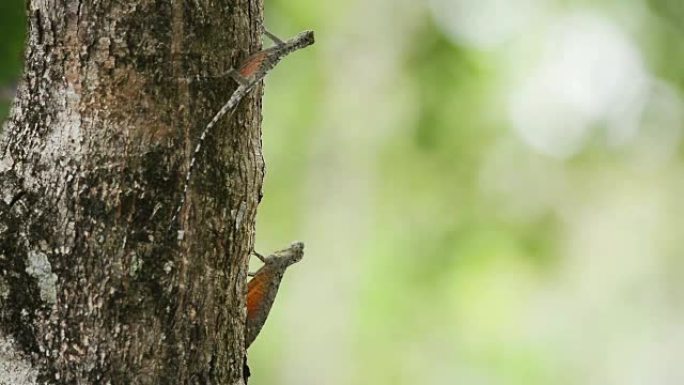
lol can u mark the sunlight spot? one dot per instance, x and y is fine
(589, 74)
(484, 24)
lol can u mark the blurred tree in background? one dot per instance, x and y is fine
(490, 192)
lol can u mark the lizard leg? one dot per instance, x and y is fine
(232, 73)
(275, 39)
(261, 257)
(239, 79)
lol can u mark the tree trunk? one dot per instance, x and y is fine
(94, 286)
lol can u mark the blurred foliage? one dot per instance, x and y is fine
(11, 46)
(490, 192)
(12, 32)
(672, 10)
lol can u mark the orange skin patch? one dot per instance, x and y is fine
(253, 64)
(256, 291)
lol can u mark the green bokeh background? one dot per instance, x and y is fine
(490, 192)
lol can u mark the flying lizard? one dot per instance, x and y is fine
(248, 74)
(263, 288)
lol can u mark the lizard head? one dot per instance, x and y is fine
(288, 256)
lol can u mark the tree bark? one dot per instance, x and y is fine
(94, 286)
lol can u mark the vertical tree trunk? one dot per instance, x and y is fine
(94, 287)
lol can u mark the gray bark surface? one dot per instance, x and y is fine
(94, 288)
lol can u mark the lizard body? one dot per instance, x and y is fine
(263, 288)
(249, 73)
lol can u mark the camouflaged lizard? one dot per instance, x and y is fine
(263, 288)
(248, 74)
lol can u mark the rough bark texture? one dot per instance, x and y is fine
(93, 287)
